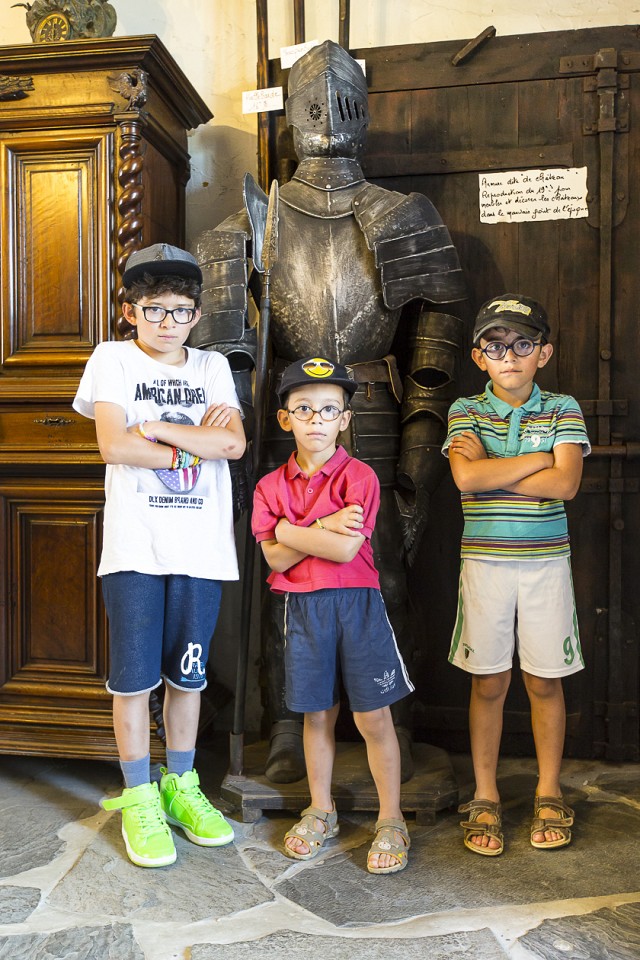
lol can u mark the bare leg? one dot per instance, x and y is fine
(548, 721)
(486, 706)
(181, 714)
(383, 754)
(131, 725)
(319, 753)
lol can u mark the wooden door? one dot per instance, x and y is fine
(542, 101)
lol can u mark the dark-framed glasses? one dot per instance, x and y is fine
(153, 314)
(522, 347)
(304, 412)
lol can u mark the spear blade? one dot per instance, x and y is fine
(270, 243)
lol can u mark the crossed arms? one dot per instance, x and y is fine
(548, 476)
(338, 541)
(220, 436)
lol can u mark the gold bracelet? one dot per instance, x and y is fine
(320, 523)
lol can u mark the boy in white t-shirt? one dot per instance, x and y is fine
(167, 420)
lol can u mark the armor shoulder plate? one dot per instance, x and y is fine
(411, 245)
(222, 255)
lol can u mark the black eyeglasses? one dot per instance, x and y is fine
(522, 347)
(154, 314)
(304, 412)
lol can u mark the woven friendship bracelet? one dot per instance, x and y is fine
(182, 458)
(144, 434)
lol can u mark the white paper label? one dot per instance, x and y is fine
(289, 55)
(259, 101)
(554, 194)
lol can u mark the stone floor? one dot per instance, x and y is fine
(67, 890)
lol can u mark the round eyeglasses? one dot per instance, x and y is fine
(154, 314)
(522, 347)
(305, 412)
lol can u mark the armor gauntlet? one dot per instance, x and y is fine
(434, 346)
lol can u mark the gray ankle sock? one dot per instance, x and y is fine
(180, 761)
(136, 772)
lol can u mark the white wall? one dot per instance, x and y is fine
(214, 41)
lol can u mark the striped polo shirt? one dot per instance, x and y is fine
(509, 526)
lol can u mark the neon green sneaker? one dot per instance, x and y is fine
(146, 835)
(185, 805)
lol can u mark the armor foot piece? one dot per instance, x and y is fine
(285, 763)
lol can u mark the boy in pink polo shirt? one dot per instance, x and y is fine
(314, 519)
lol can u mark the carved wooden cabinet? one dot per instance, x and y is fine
(93, 164)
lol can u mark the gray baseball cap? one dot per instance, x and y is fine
(161, 260)
(515, 312)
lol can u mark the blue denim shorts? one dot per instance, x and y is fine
(159, 626)
(341, 633)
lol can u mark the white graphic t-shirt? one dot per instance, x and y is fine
(151, 527)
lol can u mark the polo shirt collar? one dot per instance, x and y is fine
(504, 410)
(332, 464)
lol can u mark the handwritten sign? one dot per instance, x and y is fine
(289, 55)
(259, 101)
(554, 194)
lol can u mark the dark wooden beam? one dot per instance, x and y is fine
(298, 21)
(262, 19)
(343, 34)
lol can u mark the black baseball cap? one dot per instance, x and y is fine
(315, 370)
(515, 312)
(161, 260)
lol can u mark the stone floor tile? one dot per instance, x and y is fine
(148, 913)
(204, 882)
(624, 785)
(607, 934)
(17, 903)
(443, 875)
(479, 945)
(60, 792)
(268, 864)
(111, 942)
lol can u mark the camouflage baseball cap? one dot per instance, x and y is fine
(514, 312)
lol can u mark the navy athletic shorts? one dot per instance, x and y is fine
(159, 626)
(342, 632)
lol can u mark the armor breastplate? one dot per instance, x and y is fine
(326, 293)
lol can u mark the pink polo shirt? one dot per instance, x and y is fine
(290, 493)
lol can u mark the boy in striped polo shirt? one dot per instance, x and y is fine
(516, 454)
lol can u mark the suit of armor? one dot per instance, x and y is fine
(352, 255)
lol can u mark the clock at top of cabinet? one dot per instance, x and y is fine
(93, 156)
(50, 21)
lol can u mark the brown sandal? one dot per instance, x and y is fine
(560, 824)
(473, 828)
(306, 831)
(392, 837)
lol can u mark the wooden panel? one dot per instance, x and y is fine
(500, 60)
(52, 431)
(55, 247)
(164, 219)
(51, 545)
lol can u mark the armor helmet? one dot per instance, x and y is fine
(327, 103)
